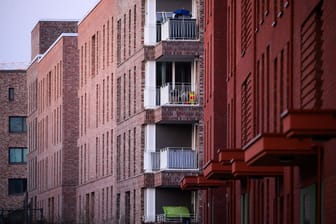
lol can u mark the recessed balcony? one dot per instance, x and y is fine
(278, 150)
(169, 205)
(319, 125)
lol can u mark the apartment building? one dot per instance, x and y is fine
(13, 139)
(140, 110)
(52, 81)
(276, 166)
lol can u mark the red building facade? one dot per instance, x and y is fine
(276, 164)
(52, 82)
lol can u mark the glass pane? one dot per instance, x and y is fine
(11, 94)
(15, 156)
(25, 152)
(17, 186)
(24, 124)
(15, 124)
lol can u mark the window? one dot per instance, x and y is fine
(308, 205)
(93, 55)
(18, 155)
(118, 99)
(17, 186)
(244, 208)
(17, 124)
(11, 94)
(118, 41)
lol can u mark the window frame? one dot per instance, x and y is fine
(23, 186)
(22, 149)
(11, 94)
(23, 128)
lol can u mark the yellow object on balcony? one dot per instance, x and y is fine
(192, 97)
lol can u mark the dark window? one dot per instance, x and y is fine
(119, 41)
(18, 155)
(17, 124)
(11, 94)
(17, 186)
(93, 55)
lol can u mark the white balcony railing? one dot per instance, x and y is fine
(177, 94)
(177, 29)
(161, 218)
(174, 158)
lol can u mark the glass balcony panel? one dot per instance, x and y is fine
(155, 160)
(174, 158)
(177, 94)
(178, 29)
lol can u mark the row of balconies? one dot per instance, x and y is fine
(170, 89)
(304, 132)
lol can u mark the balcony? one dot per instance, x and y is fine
(176, 38)
(181, 94)
(314, 124)
(173, 158)
(278, 150)
(177, 29)
(231, 165)
(214, 170)
(199, 182)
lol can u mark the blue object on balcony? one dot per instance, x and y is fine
(182, 12)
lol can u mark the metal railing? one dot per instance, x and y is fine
(161, 218)
(181, 93)
(177, 29)
(174, 158)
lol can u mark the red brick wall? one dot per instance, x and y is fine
(97, 169)
(59, 115)
(46, 32)
(273, 50)
(214, 99)
(11, 79)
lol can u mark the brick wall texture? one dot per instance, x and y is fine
(112, 182)
(270, 57)
(88, 121)
(53, 122)
(18, 107)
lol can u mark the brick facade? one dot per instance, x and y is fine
(113, 119)
(53, 121)
(89, 146)
(16, 106)
(269, 63)
(45, 33)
